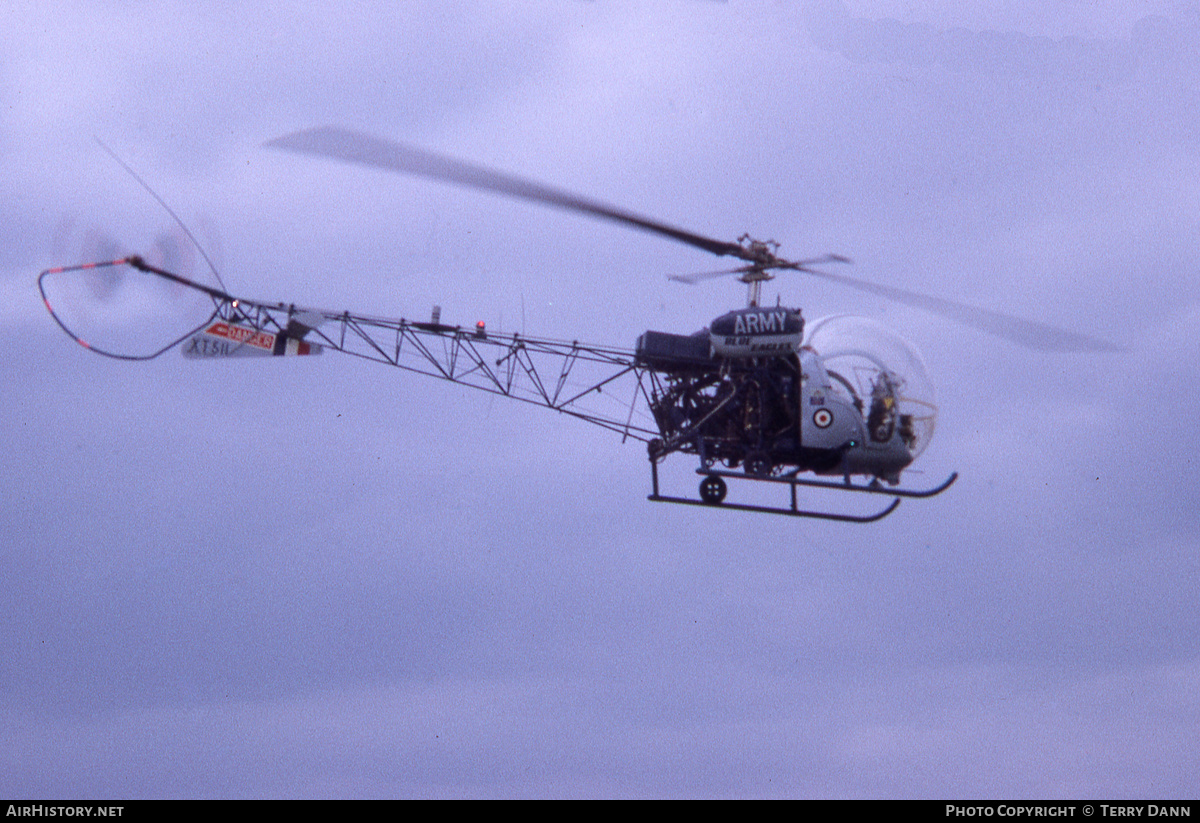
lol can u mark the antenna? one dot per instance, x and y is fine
(163, 203)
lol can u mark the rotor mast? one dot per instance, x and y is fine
(761, 254)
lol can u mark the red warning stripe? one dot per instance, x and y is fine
(240, 334)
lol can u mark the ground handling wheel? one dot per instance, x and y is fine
(712, 490)
(758, 464)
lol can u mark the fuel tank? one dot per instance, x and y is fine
(757, 332)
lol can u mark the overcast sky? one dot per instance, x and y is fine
(327, 578)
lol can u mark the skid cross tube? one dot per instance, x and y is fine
(793, 511)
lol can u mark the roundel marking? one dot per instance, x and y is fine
(823, 418)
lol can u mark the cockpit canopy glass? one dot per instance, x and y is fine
(877, 369)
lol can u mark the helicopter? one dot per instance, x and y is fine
(759, 395)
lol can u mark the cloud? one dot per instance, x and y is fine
(333, 579)
(1098, 61)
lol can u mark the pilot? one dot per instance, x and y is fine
(881, 420)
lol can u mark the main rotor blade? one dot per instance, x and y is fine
(389, 155)
(1028, 333)
(355, 147)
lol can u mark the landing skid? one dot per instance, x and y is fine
(713, 488)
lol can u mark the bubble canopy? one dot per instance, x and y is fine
(861, 356)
